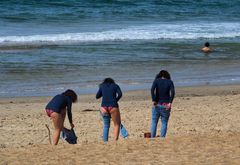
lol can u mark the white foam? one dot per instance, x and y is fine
(146, 32)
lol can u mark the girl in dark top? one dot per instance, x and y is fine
(111, 94)
(163, 93)
(56, 110)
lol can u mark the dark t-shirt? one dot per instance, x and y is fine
(162, 90)
(110, 93)
(60, 102)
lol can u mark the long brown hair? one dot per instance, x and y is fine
(108, 80)
(71, 94)
(164, 73)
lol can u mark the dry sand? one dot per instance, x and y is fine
(204, 128)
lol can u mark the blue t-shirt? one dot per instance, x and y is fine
(162, 90)
(110, 93)
(60, 102)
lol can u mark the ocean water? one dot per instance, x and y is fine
(49, 46)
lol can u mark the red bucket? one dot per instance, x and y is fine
(147, 135)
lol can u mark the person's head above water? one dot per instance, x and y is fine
(206, 48)
(207, 44)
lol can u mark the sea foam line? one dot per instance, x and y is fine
(147, 32)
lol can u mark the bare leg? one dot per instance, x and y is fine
(115, 114)
(58, 126)
(63, 113)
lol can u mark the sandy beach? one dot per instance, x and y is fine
(204, 128)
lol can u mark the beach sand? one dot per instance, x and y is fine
(204, 128)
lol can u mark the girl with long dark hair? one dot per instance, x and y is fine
(163, 93)
(111, 94)
(56, 109)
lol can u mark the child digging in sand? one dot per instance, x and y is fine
(111, 94)
(56, 110)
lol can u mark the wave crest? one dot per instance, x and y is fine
(147, 32)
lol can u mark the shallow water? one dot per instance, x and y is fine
(47, 47)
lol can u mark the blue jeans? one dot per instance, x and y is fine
(106, 122)
(157, 112)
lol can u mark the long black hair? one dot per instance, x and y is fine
(108, 80)
(163, 73)
(70, 93)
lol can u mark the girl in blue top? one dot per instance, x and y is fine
(163, 93)
(111, 94)
(56, 109)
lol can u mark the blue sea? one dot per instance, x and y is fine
(49, 46)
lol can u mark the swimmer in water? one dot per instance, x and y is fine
(206, 48)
